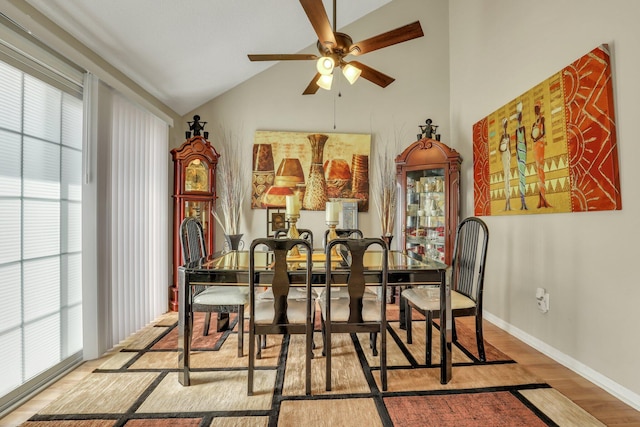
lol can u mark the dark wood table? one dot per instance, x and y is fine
(232, 269)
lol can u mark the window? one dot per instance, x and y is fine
(40, 225)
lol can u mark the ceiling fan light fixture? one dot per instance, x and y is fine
(325, 81)
(351, 73)
(325, 65)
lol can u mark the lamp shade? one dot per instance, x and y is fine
(325, 81)
(351, 73)
(325, 65)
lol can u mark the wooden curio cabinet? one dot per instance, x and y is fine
(429, 178)
(194, 195)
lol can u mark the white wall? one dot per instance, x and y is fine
(273, 100)
(477, 55)
(586, 261)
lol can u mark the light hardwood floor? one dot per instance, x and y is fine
(599, 403)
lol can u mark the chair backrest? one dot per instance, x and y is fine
(469, 257)
(192, 240)
(304, 233)
(280, 279)
(343, 233)
(356, 281)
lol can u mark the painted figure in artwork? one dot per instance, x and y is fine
(539, 141)
(505, 153)
(521, 155)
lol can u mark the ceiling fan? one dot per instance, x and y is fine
(334, 47)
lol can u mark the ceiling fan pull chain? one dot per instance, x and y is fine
(334, 112)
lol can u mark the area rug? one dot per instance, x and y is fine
(138, 386)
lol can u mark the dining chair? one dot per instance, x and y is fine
(302, 232)
(358, 311)
(281, 314)
(343, 233)
(282, 233)
(208, 299)
(467, 286)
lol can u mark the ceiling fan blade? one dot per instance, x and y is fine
(399, 35)
(374, 76)
(282, 57)
(313, 86)
(320, 21)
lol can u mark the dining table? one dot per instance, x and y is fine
(232, 269)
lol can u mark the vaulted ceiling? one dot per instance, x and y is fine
(186, 52)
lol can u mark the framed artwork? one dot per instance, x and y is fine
(317, 167)
(553, 148)
(276, 220)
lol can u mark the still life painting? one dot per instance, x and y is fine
(317, 167)
(553, 148)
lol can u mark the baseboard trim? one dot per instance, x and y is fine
(624, 394)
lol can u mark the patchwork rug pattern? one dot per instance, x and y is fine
(138, 386)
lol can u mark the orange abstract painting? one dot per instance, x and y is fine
(553, 148)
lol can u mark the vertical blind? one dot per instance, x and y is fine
(40, 225)
(139, 218)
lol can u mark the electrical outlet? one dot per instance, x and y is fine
(543, 303)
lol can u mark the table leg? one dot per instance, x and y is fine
(185, 327)
(445, 328)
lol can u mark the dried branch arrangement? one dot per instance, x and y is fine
(384, 185)
(232, 187)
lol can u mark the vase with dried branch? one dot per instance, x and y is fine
(385, 188)
(232, 188)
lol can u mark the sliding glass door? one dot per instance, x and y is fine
(40, 229)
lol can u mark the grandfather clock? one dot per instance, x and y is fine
(194, 192)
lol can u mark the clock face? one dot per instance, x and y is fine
(196, 177)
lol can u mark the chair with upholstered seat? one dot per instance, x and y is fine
(280, 314)
(467, 286)
(208, 299)
(357, 310)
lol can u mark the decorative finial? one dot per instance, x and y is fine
(428, 130)
(196, 126)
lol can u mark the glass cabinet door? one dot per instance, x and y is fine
(429, 173)
(198, 209)
(425, 213)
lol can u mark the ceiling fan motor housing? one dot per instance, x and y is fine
(340, 50)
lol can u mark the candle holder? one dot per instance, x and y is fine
(333, 235)
(293, 233)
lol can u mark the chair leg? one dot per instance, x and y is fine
(313, 326)
(258, 339)
(222, 324)
(480, 339)
(240, 330)
(207, 322)
(327, 346)
(308, 357)
(373, 342)
(251, 361)
(429, 335)
(324, 337)
(454, 334)
(407, 322)
(383, 357)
